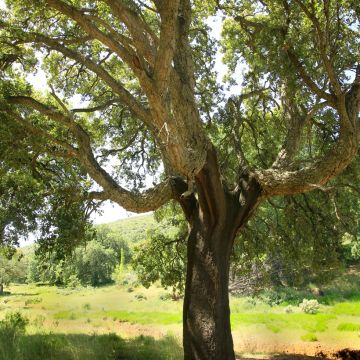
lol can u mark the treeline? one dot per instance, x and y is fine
(292, 242)
(98, 262)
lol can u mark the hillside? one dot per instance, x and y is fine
(133, 229)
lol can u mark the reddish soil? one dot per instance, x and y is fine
(345, 354)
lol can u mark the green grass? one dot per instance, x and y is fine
(348, 327)
(154, 317)
(347, 308)
(67, 314)
(279, 322)
(309, 337)
(89, 347)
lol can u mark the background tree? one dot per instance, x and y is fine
(90, 264)
(162, 256)
(11, 270)
(150, 104)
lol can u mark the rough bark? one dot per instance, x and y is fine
(216, 218)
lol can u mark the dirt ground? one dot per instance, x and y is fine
(344, 354)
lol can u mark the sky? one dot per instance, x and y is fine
(111, 211)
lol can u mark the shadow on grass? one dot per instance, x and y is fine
(89, 347)
(8, 293)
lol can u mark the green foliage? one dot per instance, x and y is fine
(36, 300)
(12, 270)
(13, 325)
(309, 306)
(348, 327)
(301, 239)
(118, 273)
(91, 264)
(309, 337)
(12, 328)
(95, 264)
(92, 347)
(162, 256)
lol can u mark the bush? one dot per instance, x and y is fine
(165, 297)
(38, 321)
(309, 337)
(86, 306)
(33, 301)
(309, 306)
(289, 309)
(13, 325)
(140, 297)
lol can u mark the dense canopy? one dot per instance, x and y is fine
(134, 112)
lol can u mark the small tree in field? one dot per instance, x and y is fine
(10, 271)
(151, 103)
(118, 273)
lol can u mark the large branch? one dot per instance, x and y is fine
(124, 95)
(299, 67)
(165, 53)
(69, 150)
(322, 45)
(295, 125)
(128, 56)
(140, 32)
(148, 200)
(281, 182)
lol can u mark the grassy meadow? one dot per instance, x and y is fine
(136, 323)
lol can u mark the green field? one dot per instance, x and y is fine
(140, 324)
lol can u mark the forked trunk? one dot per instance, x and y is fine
(214, 217)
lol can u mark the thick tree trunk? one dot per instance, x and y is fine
(206, 316)
(215, 218)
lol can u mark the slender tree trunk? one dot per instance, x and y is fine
(1, 289)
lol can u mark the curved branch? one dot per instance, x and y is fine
(280, 182)
(137, 28)
(322, 47)
(148, 200)
(296, 124)
(70, 151)
(128, 56)
(307, 79)
(124, 95)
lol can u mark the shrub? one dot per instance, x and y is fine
(38, 321)
(309, 337)
(140, 297)
(13, 325)
(348, 327)
(309, 306)
(289, 309)
(86, 306)
(33, 301)
(165, 297)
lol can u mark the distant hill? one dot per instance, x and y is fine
(133, 229)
